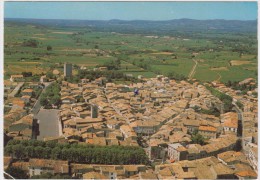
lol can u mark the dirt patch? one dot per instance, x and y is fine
(238, 62)
(58, 32)
(219, 69)
(56, 72)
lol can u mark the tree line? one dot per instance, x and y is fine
(226, 99)
(51, 96)
(76, 153)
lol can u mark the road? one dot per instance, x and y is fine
(240, 119)
(49, 123)
(16, 89)
(37, 105)
(193, 70)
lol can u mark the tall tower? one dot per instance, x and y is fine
(94, 111)
(67, 69)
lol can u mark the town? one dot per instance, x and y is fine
(158, 128)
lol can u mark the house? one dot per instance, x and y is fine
(77, 170)
(208, 131)
(192, 125)
(7, 161)
(128, 132)
(253, 156)
(39, 166)
(16, 78)
(68, 100)
(26, 98)
(230, 121)
(221, 171)
(94, 176)
(246, 174)
(230, 158)
(176, 152)
(24, 123)
(28, 92)
(18, 103)
(22, 165)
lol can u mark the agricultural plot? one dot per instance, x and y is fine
(145, 55)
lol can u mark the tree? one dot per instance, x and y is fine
(17, 172)
(43, 100)
(30, 43)
(197, 138)
(49, 48)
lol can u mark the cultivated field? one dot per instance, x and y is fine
(139, 54)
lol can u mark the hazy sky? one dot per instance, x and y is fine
(131, 10)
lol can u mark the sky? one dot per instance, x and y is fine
(132, 10)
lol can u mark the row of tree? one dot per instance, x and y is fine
(51, 96)
(212, 111)
(91, 154)
(226, 99)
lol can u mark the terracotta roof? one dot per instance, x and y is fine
(94, 175)
(247, 173)
(28, 90)
(57, 165)
(207, 128)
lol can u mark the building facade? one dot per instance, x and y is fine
(67, 70)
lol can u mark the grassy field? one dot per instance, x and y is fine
(142, 55)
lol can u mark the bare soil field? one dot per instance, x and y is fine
(219, 69)
(238, 62)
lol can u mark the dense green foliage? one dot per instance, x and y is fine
(27, 74)
(173, 75)
(197, 138)
(112, 65)
(17, 172)
(49, 48)
(31, 43)
(226, 99)
(212, 111)
(243, 88)
(51, 96)
(92, 154)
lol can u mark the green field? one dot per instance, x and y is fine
(139, 54)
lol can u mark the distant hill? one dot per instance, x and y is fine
(151, 27)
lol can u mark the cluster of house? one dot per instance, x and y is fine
(18, 122)
(227, 165)
(249, 116)
(165, 113)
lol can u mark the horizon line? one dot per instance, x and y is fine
(131, 20)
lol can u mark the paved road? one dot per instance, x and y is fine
(37, 105)
(49, 123)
